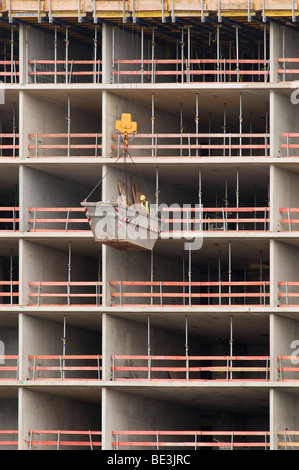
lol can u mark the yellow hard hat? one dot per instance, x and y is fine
(142, 198)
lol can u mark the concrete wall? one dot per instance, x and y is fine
(285, 268)
(284, 195)
(55, 412)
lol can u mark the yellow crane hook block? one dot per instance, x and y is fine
(126, 125)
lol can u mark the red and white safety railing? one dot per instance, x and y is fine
(290, 218)
(225, 440)
(190, 70)
(190, 293)
(90, 293)
(9, 372)
(288, 365)
(223, 219)
(288, 68)
(51, 222)
(291, 144)
(6, 438)
(190, 145)
(289, 294)
(190, 368)
(290, 439)
(9, 145)
(62, 71)
(9, 292)
(60, 439)
(61, 145)
(9, 219)
(9, 71)
(88, 372)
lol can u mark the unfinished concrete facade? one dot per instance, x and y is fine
(122, 348)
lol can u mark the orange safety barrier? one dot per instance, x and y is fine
(9, 70)
(290, 145)
(284, 71)
(195, 439)
(58, 442)
(92, 147)
(219, 296)
(281, 369)
(147, 371)
(9, 144)
(95, 285)
(189, 70)
(51, 71)
(62, 368)
(196, 145)
(288, 293)
(290, 220)
(9, 294)
(214, 218)
(8, 442)
(67, 221)
(5, 368)
(290, 439)
(5, 220)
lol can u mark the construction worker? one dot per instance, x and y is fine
(144, 204)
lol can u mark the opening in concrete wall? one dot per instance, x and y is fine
(219, 272)
(62, 124)
(9, 124)
(73, 418)
(62, 347)
(52, 198)
(198, 124)
(190, 347)
(179, 410)
(9, 419)
(63, 272)
(9, 273)
(9, 53)
(58, 54)
(184, 53)
(9, 335)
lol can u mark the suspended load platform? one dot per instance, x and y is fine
(123, 224)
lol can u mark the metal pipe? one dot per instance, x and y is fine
(66, 53)
(190, 276)
(124, 11)
(189, 56)
(224, 128)
(153, 123)
(181, 128)
(68, 125)
(69, 271)
(237, 52)
(95, 45)
(241, 122)
(64, 343)
(142, 54)
(11, 53)
(229, 270)
(231, 345)
(152, 275)
(237, 196)
(218, 52)
(153, 55)
(187, 348)
(157, 189)
(196, 121)
(182, 56)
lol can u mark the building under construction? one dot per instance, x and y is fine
(189, 342)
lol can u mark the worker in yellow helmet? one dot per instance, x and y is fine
(144, 204)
